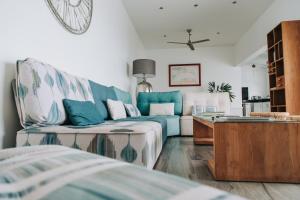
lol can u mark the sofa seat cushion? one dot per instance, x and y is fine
(41, 89)
(187, 117)
(134, 142)
(173, 123)
(145, 99)
(170, 124)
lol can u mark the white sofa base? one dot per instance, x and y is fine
(186, 125)
(220, 100)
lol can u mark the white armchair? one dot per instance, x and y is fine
(219, 100)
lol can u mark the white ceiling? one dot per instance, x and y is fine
(210, 17)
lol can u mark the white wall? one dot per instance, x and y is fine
(256, 79)
(256, 37)
(28, 29)
(216, 64)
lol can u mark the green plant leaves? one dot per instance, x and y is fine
(211, 87)
(224, 87)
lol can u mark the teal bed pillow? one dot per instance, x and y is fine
(82, 113)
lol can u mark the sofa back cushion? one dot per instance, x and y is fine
(121, 95)
(219, 100)
(101, 93)
(145, 99)
(41, 89)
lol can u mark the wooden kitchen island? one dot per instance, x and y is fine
(248, 149)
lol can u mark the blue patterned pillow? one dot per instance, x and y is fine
(132, 110)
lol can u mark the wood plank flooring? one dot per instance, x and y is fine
(182, 158)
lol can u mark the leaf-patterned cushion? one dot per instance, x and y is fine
(132, 110)
(41, 89)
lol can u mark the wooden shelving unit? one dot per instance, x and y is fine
(284, 67)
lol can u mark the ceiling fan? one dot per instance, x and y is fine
(190, 43)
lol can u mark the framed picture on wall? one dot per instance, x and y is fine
(181, 75)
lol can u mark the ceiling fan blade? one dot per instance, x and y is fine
(200, 41)
(176, 43)
(191, 46)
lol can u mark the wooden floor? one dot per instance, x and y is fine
(182, 158)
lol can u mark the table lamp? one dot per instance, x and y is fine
(143, 68)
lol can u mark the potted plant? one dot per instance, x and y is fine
(224, 87)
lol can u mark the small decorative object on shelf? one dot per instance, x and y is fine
(74, 15)
(144, 68)
(224, 87)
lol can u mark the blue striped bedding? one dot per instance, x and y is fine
(57, 172)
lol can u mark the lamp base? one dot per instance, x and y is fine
(143, 86)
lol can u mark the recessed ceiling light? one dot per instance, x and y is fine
(196, 5)
(234, 2)
(161, 8)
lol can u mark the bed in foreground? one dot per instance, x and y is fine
(57, 172)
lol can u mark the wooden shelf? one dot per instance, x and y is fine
(276, 61)
(275, 44)
(281, 105)
(284, 67)
(273, 73)
(280, 59)
(277, 88)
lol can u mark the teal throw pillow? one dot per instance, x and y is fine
(82, 113)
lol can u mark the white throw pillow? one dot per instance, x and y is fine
(116, 109)
(132, 110)
(162, 109)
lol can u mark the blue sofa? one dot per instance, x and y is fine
(135, 140)
(173, 122)
(102, 93)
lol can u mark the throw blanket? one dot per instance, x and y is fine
(159, 119)
(56, 172)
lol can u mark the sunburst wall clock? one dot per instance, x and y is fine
(74, 15)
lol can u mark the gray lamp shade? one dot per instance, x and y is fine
(144, 68)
